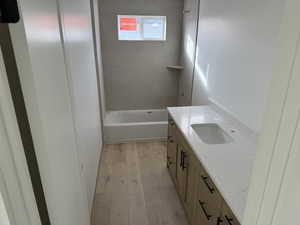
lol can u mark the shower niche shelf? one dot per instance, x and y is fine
(175, 67)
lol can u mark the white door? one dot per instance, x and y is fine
(280, 205)
(17, 202)
(190, 22)
(82, 76)
(274, 193)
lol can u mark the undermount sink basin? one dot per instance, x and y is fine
(212, 134)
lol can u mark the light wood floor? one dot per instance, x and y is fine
(134, 187)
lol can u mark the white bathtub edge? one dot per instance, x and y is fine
(124, 141)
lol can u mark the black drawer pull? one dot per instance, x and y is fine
(184, 156)
(170, 139)
(202, 204)
(229, 220)
(220, 221)
(168, 159)
(181, 159)
(211, 190)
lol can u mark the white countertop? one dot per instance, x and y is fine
(229, 165)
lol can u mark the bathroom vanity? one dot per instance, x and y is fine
(210, 161)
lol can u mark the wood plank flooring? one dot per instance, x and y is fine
(134, 187)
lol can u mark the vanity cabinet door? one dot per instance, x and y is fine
(209, 201)
(182, 171)
(201, 213)
(191, 186)
(172, 158)
(172, 149)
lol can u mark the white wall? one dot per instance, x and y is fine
(189, 41)
(236, 44)
(135, 72)
(274, 191)
(53, 91)
(81, 68)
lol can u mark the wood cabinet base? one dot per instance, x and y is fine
(201, 199)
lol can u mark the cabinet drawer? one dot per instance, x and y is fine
(200, 197)
(191, 190)
(227, 218)
(208, 185)
(182, 171)
(208, 199)
(172, 158)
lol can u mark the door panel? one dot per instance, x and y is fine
(182, 171)
(83, 89)
(171, 157)
(191, 186)
(189, 39)
(172, 149)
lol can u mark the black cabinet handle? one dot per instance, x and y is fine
(184, 156)
(169, 161)
(181, 159)
(202, 204)
(229, 220)
(211, 190)
(170, 139)
(168, 158)
(219, 221)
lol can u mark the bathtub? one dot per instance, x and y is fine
(135, 125)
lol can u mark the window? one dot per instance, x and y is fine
(142, 28)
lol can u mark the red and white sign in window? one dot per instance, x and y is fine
(141, 28)
(128, 23)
